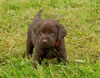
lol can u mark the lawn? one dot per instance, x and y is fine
(81, 19)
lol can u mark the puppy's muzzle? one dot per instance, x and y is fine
(44, 41)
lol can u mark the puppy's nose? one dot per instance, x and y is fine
(44, 41)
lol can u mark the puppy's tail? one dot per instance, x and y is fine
(38, 15)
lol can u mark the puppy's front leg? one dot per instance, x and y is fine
(37, 58)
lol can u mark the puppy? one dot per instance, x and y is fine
(47, 37)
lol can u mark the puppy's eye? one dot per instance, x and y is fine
(52, 33)
(41, 32)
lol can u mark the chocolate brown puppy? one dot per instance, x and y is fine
(47, 37)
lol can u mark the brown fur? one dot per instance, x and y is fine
(43, 35)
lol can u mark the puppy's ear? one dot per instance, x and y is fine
(61, 31)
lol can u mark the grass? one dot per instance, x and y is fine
(81, 18)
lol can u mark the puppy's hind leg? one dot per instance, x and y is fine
(63, 59)
(30, 47)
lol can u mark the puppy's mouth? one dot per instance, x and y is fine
(45, 44)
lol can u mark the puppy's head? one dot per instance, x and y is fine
(49, 32)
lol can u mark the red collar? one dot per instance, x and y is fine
(57, 43)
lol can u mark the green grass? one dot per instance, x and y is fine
(81, 18)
